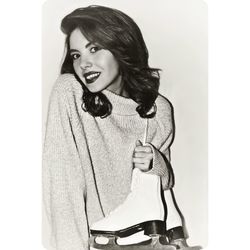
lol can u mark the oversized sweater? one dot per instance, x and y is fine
(87, 161)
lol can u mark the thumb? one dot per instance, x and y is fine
(138, 143)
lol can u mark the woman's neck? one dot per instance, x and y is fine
(119, 90)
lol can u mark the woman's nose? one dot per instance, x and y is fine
(85, 63)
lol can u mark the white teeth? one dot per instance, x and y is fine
(92, 76)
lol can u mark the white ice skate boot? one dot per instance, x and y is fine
(141, 213)
(175, 229)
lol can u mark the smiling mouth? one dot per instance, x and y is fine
(91, 77)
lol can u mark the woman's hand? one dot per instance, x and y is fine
(142, 157)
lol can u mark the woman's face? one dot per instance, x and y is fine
(96, 67)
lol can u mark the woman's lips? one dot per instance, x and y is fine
(91, 76)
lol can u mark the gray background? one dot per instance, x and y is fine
(175, 32)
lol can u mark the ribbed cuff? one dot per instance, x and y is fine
(162, 168)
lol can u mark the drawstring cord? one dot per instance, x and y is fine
(145, 133)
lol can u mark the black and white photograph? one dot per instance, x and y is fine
(124, 125)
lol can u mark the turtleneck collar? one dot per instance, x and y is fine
(121, 105)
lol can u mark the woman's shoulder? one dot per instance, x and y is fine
(164, 120)
(66, 83)
(163, 105)
(66, 89)
(164, 115)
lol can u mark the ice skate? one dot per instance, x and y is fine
(181, 244)
(138, 223)
(175, 221)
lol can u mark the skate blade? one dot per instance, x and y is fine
(191, 248)
(155, 243)
(112, 244)
(187, 248)
(94, 244)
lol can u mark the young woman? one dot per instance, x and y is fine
(103, 106)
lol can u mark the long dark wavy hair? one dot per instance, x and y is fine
(117, 32)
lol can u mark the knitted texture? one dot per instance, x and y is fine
(87, 161)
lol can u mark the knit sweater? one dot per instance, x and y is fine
(87, 161)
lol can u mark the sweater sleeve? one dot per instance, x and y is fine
(161, 151)
(63, 177)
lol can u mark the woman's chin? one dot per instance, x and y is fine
(93, 89)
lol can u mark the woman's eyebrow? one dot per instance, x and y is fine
(73, 50)
(86, 46)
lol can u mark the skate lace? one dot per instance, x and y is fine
(145, 133)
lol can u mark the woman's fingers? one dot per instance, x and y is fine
(138, 143)
(142, 167)
(146, 149)
(141, 160)
(143, 155)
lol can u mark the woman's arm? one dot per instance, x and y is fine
(161, 163)
(63, 180)
(161, 148)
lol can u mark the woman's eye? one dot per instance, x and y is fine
(94, 49)
(74, 56)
